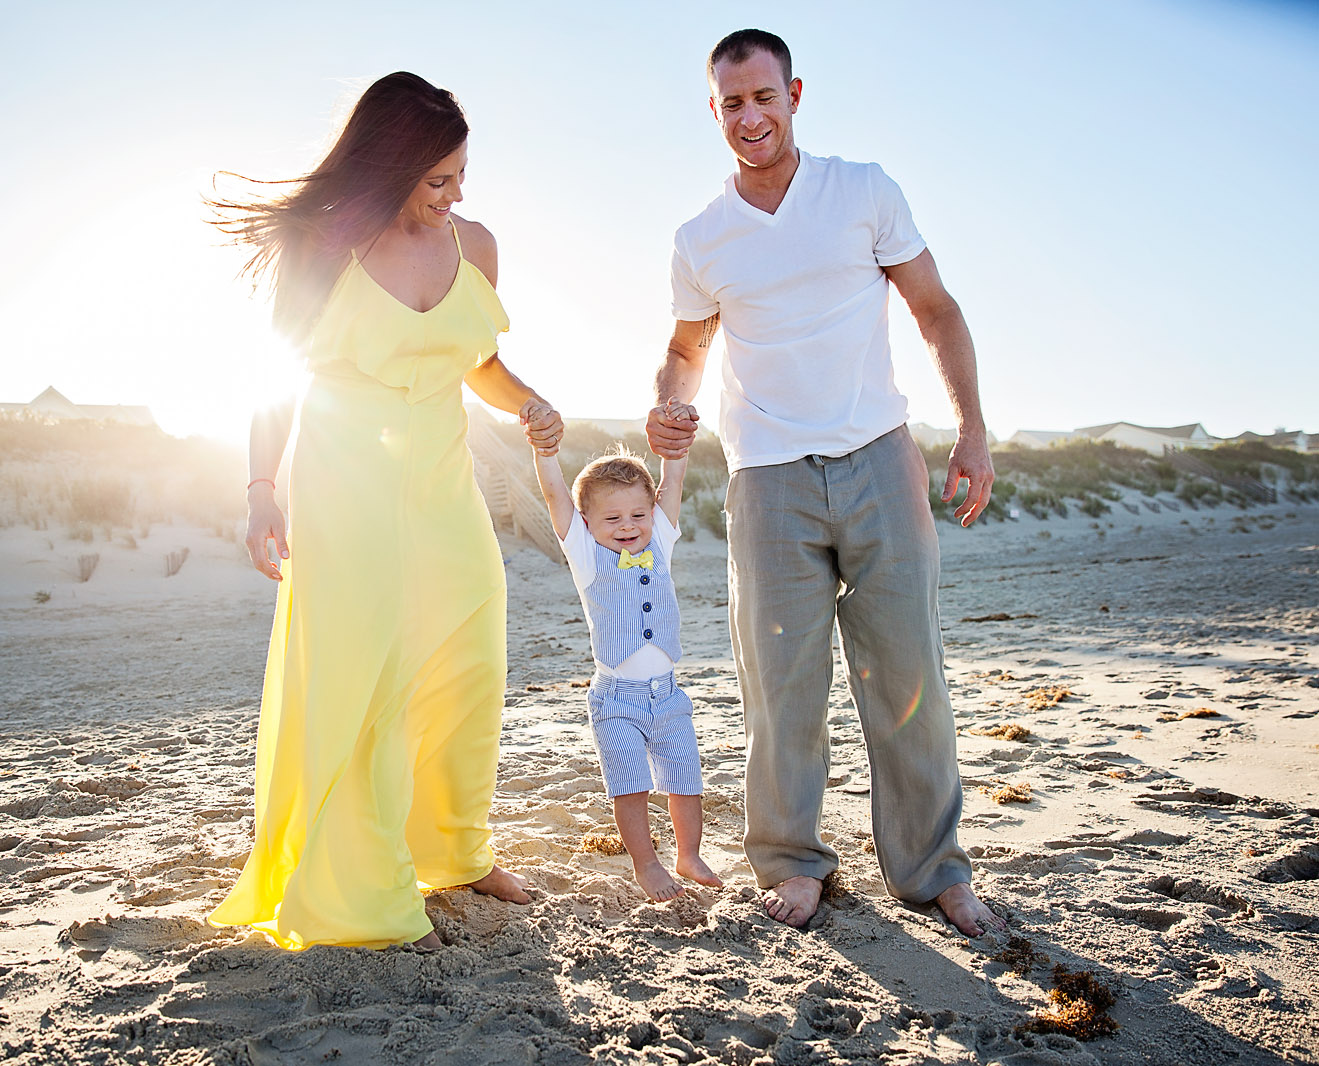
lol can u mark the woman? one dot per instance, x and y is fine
(380, 717)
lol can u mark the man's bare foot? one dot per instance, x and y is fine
(502, 884)
(694, 869)
(963, 908)
(657, 882)
(430, 942)
(794, 901)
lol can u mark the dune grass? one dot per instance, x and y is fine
(106, 478)
(1091, 476)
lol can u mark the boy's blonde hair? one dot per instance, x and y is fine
(618, 467)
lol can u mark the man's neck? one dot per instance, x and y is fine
(765, 187)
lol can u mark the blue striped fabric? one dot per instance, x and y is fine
(640, 728)
(627, 609)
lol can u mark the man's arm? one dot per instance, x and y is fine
(678, 379)
(944, 329)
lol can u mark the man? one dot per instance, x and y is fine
(828, 512)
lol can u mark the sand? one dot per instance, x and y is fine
(1164, 665)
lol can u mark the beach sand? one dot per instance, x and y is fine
(1165, 666)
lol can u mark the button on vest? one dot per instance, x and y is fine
(630, 608)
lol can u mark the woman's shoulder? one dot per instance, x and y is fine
(477, 240)
(478, 245)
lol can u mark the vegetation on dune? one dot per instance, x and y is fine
(1091, 476)
(1041, 481)
(96, 478)
(1255, 459)
(1088, 476)
(108, 480)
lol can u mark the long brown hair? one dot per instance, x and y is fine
(399, 129)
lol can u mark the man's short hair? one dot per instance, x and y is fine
(739, 45)
(617, 468)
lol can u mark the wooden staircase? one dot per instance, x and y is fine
(507, 479)
(1251, 488)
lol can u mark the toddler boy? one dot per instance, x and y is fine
(618, 532)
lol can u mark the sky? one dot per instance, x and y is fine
(1120, 195)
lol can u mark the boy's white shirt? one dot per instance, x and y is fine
(579, 549)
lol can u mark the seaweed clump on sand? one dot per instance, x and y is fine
(1019, 955)
(835, 887)
(602, 843)
(1080, 1007)
(1039, 699)
(1009, 793)
(1199, 712)
(1007, 731)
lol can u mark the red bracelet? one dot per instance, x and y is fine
(258, 480)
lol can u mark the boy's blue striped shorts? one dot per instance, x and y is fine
(644, 736)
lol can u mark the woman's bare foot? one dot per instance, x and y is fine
(430, 942)
(656, 881)
(500, 883)
(694, 869)
(794, 901)
(963, 908)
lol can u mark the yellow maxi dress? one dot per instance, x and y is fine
(380, 716)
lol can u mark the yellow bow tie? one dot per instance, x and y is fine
(646, 559)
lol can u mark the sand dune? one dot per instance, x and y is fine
(1162, 673)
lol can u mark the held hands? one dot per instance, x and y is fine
(265, 522)
(671, 429)
(543, 426)
(969, 459)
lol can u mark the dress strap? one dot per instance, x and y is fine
(455, 238)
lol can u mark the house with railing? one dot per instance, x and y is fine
(53, 406)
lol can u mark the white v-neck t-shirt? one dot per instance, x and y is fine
(803, 301)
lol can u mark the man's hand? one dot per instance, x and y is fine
(671, 429)
(969, 459)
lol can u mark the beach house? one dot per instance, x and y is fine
(53, 406)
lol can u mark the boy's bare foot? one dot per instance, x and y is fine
(794, 901)
(963, 908)
(696, 870)
(502, 884)
(657, 882)
(430, 942)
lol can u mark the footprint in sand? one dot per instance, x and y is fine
(1299, 865)
(1218, 902)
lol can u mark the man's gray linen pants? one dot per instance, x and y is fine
(852, 539)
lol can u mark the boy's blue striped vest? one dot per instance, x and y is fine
(627, 609)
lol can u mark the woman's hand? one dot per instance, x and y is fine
(544, 427)
(265, 522)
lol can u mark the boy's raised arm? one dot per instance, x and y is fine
(672, 471)
(669, 494)
(555, 490)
